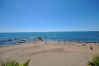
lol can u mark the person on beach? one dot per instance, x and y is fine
(34, 42)
(64, 42)
(91, 48)
(45, 43)
(84, 43)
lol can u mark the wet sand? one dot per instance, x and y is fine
(51, 54)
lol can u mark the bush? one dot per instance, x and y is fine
(10, 62)
(95, 61)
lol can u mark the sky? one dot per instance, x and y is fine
(49, 15)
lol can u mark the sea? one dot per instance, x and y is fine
(25, 37)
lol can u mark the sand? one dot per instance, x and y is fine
(51, 54)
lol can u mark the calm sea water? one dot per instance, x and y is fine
(14, 38)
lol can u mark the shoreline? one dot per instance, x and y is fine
(51, 41)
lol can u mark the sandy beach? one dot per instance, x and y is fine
(51, 54)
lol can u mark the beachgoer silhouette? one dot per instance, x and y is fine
(45, 42)
(64, 42)
(84, 44)
(91, 48)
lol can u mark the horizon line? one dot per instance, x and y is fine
(46, 31)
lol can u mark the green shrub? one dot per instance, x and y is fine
(95, 61)
(26, 63)
(10, 62)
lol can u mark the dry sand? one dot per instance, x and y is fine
(51, 54)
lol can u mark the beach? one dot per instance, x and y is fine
(49, 32)
(51, 54)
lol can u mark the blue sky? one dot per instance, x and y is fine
(49, 15)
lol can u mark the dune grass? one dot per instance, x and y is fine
(95, 61)
(10, 62)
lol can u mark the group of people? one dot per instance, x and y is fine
(91, 48)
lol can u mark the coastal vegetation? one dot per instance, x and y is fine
(11, 62)
(95, 61)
